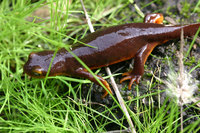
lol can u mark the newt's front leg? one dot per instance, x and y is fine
(85, 74)
(139, 61)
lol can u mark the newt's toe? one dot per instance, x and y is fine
(125, 78)
(133, 78)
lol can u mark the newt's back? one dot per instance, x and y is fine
(118, 43)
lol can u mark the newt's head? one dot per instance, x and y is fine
(38, 64)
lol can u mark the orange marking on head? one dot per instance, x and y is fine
(154, 18)
(159, 20)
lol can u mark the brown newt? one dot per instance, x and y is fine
(113, 44)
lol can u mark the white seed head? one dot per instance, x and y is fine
(181, 87)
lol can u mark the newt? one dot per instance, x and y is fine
(113, 45)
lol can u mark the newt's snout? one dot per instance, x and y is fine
(35, 67)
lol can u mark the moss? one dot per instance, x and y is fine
(190, 61)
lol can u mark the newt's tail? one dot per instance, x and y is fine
(190, 30)
(174, 32)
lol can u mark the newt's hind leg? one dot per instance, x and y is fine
(85, 74)
(138, 70)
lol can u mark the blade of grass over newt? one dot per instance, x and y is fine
(49, 69)
(79, 80)
(70, 79)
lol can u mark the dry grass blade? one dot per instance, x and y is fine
(181, 66)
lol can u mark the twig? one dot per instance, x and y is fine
(119, 97)
(87, 17)
(181, 66)
(138, 10)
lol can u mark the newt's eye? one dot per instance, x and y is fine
(37, 72)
